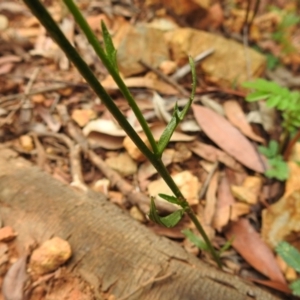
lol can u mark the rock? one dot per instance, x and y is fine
(141, 42)
(7, 234)
(122, 163)
(227, 65)
(50, 256)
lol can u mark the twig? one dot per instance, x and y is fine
(133, 196)
(75, 159)
(34, 92)
(166, 78)
(186, 68)
(208, 179)
(147, 282)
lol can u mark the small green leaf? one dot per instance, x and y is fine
(265, 151)
(197, 241)
(273, 147)
(295, 287)
(167, 133)
(289, 254)
(274, 100)
(167, 221)
(256, 96)
(170, 199)
(110, 50)
(227, 245)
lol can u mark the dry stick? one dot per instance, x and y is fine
(34, 92)
(134, 197)
(144, 284)
(208, 179)
(75, 159)
(166, 78)
(187, 68)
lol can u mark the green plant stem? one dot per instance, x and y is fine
(80, 20)
(44, 17)
(46, 20)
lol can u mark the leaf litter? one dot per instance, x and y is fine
(235, 193)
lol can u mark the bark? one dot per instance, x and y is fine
(111, 250)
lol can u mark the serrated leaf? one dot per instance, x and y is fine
(110, 50)
(197, 241)
(295, 287)
(289, 254)
(170, 199)
(167, 221)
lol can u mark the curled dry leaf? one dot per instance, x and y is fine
(248, 243)
(14, 280)
(108, 127)
(236, 116)
(228, 138)
(160, 108)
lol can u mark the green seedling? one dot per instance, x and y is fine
(288, 104)
(278, 168)
(107, 54)
(292, 257)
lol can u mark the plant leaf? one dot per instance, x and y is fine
(289, 254)
(170, 199)
(295, 287)
(110, 49)
(168, 221)
(196, 240)
(177, 114)
(258, 95)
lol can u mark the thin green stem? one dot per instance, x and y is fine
(111, 69)
(44, 17)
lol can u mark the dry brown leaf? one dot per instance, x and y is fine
(248, 243)
(213, 154)
(102, 140)
(236, 116)
(14, 280)
(228, 138)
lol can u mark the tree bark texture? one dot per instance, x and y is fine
(112, 251)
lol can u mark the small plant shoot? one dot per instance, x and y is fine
(292, 257)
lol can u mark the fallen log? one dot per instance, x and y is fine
(113, 252)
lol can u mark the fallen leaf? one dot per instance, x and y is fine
(82, 116)
(108, 127)
(237, 118)
(160, 108)
(228, 138)
(213, 154)
(14, 280)
(101, 140)
(248, 243)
